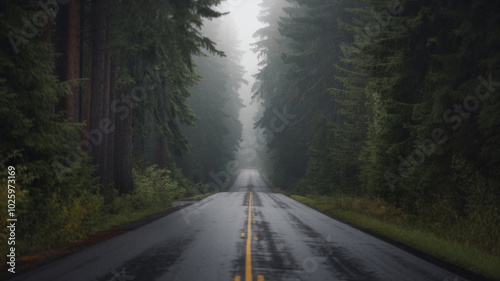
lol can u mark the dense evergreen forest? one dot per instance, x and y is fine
(394, 100)
(215, 138)
(101, 103)
(112, 109)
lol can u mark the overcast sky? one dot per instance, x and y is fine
(244, 14)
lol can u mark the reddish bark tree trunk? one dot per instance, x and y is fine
(97, 82)
(111, 134)
(46, 33)
(86, 112)
(104, 161)
(60, 45)
(85, 103)
(73, 60)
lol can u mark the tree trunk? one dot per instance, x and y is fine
(47, 32)
(104, 161)
(111, 135)
(85, 99)
(73, 60)
(97, 82)
(160, 152)
(150, 140)
(86, 112)
(123, 148)
(60, 44)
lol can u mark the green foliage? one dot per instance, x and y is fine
(65, 217)
(69, 212)
(215, 101)
(155, 191)
(51, 206)
(382, 218)
(155, 188)
(170, 37)
(479, 221)
(275, 91)
(58, 196)
(369, 88)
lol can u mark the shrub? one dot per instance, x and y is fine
(155, 188)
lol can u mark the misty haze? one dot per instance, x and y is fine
(243, 140)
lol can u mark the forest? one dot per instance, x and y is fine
(397, 108)
(112, 109)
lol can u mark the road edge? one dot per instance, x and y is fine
(455, 269)
(58, 251)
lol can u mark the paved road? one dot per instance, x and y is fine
(223, 237)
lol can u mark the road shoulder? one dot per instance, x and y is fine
(31, 261)
(455, 269)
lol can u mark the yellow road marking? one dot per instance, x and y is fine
(256, 238)
(260, 277)
(253, 222)
(238, 278)
(243, 234)
(248, 267)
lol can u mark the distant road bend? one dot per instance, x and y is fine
(246, 234)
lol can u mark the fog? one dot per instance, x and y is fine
(244, 14)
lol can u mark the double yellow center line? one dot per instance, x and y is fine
(248, 261)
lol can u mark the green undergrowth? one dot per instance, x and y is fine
(281, 191)
(377, 216)
(198, 196)
(73, 217)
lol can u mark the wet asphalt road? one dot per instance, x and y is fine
(223, 238)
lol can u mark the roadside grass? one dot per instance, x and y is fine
(75, 219)
(112, 219)
(376, 216)
(198, 196)
(127, 215)
(105, 228)
(281, 191)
